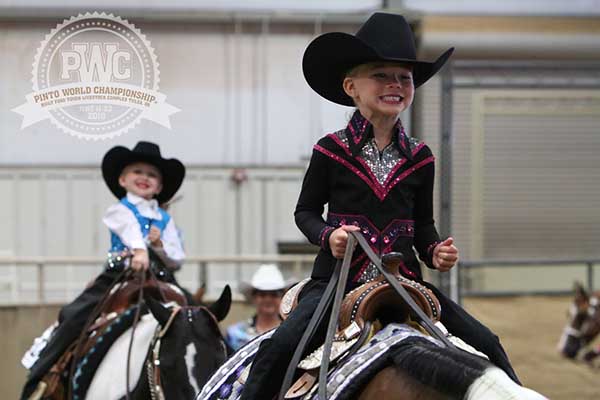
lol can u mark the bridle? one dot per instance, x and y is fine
(136, 319)
(115, 286)
(153, 363)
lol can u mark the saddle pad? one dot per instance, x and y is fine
(342, 343)
(225, 383)
(342, 381)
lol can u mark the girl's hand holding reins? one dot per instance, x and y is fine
(339, 238)
(140, 261)
(154, 236)
(445, 255)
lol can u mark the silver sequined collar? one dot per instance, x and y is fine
(359, 131)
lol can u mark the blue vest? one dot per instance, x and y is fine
(145, 223)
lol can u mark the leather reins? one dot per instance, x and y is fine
(338, 280)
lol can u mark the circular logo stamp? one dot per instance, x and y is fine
(95, 76)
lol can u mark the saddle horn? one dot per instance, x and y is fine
(391, 262)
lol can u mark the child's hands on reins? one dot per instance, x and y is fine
(140, 260)
(154, 236)
(339, 238)
(445, 255)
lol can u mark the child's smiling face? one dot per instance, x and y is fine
(380, 89)
(141, 179)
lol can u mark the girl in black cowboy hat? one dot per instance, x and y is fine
(374, 178)
(141, 179)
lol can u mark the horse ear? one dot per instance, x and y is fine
(580, 291)
(158, 311)
(220, 308)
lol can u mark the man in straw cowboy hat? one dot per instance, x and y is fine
(265, 291)
(374, 178)
(141, 179)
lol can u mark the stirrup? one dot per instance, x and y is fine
(303, 385)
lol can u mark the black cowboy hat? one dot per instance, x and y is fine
(383, 38)
(117, 158)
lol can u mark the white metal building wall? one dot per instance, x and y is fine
(526, 175)
(58, 211)
(239, 86)
(243, 101)
(540, 152)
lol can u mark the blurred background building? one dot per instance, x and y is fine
(518, 111)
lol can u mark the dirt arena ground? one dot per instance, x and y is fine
(529, 328)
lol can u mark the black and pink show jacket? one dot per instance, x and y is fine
(393, 216)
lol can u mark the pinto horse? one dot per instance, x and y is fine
(583, 325)
(174, 352)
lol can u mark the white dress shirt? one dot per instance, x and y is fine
(120, 220)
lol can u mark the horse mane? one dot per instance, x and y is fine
(449, 371)
(88, 364)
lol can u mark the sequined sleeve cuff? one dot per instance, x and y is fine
(324, 236)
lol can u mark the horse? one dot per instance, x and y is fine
(583, 325)
(395, 361)
(414, 369)
(173, 351)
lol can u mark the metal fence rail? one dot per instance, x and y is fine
(201, 264)
(460, 286)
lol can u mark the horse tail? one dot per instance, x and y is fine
(449, 371)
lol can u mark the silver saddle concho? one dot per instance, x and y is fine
(360, 308)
